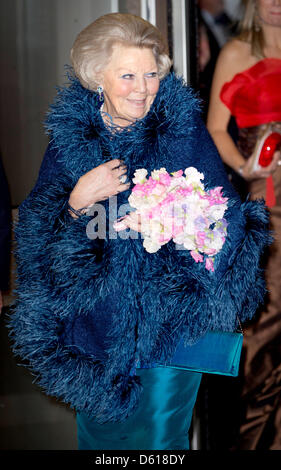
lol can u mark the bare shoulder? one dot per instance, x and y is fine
(235, 48)
(235, 57)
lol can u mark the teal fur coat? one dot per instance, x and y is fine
(89, 309)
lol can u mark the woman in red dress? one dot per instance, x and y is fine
(247, 85)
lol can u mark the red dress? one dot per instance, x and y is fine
(254, 96)
(254, 99)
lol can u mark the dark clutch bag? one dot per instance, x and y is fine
(217, 352)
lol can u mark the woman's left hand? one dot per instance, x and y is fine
(133, 221)
(249, 175)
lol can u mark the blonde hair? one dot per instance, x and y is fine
(93, 46)
(249, 32)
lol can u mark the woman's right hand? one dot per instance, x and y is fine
(250, 175)
(99, 184)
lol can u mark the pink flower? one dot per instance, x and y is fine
(209, 264)
(165, 179)
(157, 189)
(185, 191)
(196, 256)
(164, 238)
(210, 251)
(215, 196)
(140, 189)
(200, 238)
(168, 199)
(177, 174)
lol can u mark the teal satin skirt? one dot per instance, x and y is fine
(161, 422)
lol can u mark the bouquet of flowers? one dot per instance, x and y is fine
(176, 207)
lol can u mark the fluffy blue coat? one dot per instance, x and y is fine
(87, 309)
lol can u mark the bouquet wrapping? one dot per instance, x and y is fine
(176, 206)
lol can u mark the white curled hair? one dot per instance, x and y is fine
(92, 49)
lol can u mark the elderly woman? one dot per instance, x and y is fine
(97, 315)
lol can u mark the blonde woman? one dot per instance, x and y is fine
(97, 315)
(246, 85)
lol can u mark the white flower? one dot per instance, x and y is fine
(194, 177)
(150, 245)
(155, 227)
(189, 243)
(155, 173)
(140, 176)
(179, 239)
(145, 226)
(216, 212)
(138, 202)
(134, 200)
(189, 227)
(177, 182)
(216, 244)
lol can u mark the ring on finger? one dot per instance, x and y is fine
(122, 178)
(279, 163)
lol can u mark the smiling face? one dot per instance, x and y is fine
(130, 83)
(269, 12)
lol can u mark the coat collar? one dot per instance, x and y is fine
(74, 119)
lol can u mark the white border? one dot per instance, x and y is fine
(148, 10)
(179, 38)
(114, 6)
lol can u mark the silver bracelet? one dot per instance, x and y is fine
(77, 212)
